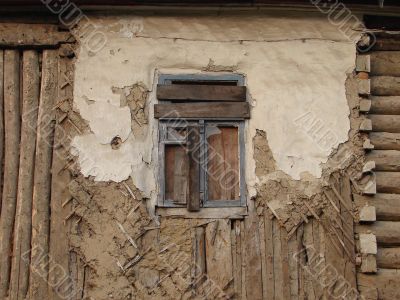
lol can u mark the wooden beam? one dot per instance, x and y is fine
(385, 140)
(23, 218)
(36, 35)
(193, 92)
(388, 182)
(387, 233)
(204, 213)
(388, 258)
(385, 160)
(385, 86)
(385, 105)
(385, 63)
(202, 110)
(11, 163)
(193, 203)
(386, 281)
(387, 205)
(42, 181)
(385, 123)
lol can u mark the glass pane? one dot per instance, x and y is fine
(176, 174)
(223, 163)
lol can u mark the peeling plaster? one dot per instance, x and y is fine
(292, 66)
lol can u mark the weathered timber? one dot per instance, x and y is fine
(203, 110)
(385, 160)
(1, 119)
(385, 140)
(385, 86)
(387, 205)
(36, 35)
(253, 278)
(11, 163)
(388, 258)
(42, 177)
(193, 92)
(385, 63)
(368, 264)
(386, 281)
(41, 198)
(385, 105)
(363, 63)
(386, 123)
(385, 41)
(199, 254)
(204, 213)
(387, 232)
(388, 182)
(23, 218)
(218, 249)
(193, 203)
(60, 206)
(269, 252)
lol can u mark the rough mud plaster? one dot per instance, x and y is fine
(293, 66)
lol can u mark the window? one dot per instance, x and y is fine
(201, 140)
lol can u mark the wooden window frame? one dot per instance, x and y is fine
(163, 140)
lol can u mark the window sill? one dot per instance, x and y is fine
(204, 213)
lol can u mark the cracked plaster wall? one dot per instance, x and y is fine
(294, 66)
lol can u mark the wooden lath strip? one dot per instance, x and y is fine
(240, 110)
(199, 92)
(11, 162)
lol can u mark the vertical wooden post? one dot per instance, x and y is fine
(23, 218)
(194, 168)
(1, 119)
(42, 180)
(11, 162)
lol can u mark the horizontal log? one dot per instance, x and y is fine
(387, 205)
(386, 282)
(387, 232)
(203, 110)
(386, 123)
(389, 105)
(385, 160)
(388, 182)
(385, 63)
(193, 92)
(204, 213)
(388, 258)
(386, 42)
(39, 35)
(385, 86)
(385, 140)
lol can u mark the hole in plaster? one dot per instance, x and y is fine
(116, 142)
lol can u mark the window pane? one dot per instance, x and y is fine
(176, 174)
(223, 163)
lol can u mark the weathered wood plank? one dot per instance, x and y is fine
(385, 86)
(60, 176)
(42, 179)
(387, 232)
(204, 213)
(193, 203)
(386, 281)
(23, 221)
(203, 110)
(385, 140)
(11, 163)
(269, 252)
(386, 123)
(388, 182)
(278, 274)
(43, 35)
(193, 92)
(223, 164)
(1, 120)
(385, 63)
(252, 257)
(387, 205)
(199, 249)
(385, 105)
(385, 160)
(218, 250)
(388, 258)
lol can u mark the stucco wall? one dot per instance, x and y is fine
(295, 69)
